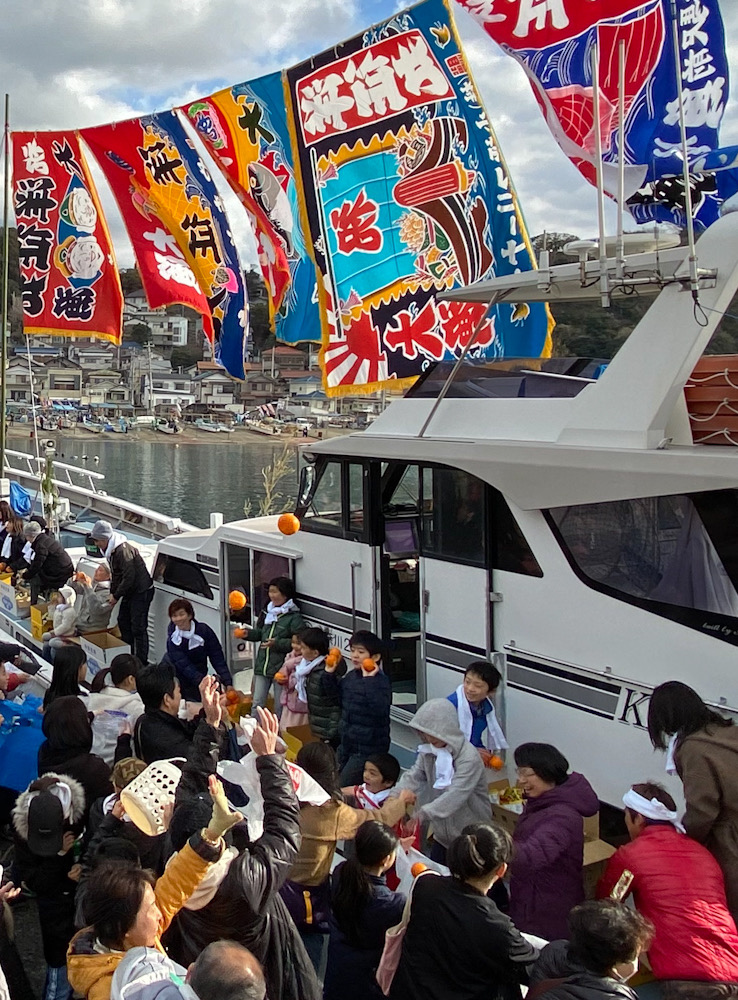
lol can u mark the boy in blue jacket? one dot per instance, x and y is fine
(365, 694)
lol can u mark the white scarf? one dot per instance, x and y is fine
(107, 807)
(652, 809)
(28, 554)
(116, 539)
(193, 639)
(444, 764)
(493, 737)
(302, 672)
(212, 881)
(5, 554)
(671, 767)
(370, 800)
(274, 612)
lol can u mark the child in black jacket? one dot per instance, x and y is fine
(365, 694)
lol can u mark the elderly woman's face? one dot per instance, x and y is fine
(530, 784)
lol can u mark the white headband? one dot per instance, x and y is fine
(652, 809)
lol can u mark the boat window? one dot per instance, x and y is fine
(675, 555)
(400, 489)
(510, 550)
(324, 510)
(237, 565)
(181, 575)
(356, 496)
(454, 519)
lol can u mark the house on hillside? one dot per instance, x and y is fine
(281, 358)
(216, 389)
(64, 380)
(18, 380)
(259, 388)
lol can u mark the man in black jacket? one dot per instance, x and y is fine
(244, 904)
(130, 583)
(159, 733)
(49, 563)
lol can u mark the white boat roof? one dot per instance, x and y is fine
(626, 435)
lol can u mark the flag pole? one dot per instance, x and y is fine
(4, 484)
(694, 284)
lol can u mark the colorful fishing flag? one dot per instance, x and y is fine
(168, 185)
(406, 194)
(69, 282)
(245, 130)
(553, 41)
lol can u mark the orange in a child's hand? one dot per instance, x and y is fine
(331, 660)
(496, 762)
(368, 664)
(279, 677)
(240, 633)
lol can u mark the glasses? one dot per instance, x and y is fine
(525, 772)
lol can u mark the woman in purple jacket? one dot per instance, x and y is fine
(546, 870)
(190, 644)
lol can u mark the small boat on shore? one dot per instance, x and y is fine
(226, 428)
(92, 427)
(167, 426)
(207, 425)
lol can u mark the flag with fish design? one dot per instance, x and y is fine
(245, 130)
(159, 156)
(166, 276)
(69, 282)
(405, 194)
(553, 41)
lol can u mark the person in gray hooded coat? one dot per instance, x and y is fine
(448, 776)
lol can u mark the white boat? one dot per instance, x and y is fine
(207, 425)
(226, 428)
(92, 426)
(572, 532)
(166, 426)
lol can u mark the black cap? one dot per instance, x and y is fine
(45, 825)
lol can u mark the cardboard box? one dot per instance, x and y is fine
(100, 648)
(596, 855)
(40, 619)
(296, 737)
(14, 602)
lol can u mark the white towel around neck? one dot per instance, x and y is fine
(193, 639)
(444, 764)
(493, 737)
(7, 543)
(28, 554)
(302, 672)
(275, 611)
(671, 767)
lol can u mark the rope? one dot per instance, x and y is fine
(694, 381)
(724, 433)
(702, 420)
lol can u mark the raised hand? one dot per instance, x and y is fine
(222, 818)
(264, 740)
(208, 688)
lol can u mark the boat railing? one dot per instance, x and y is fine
(63, 473)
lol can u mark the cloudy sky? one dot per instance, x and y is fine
(92, 61)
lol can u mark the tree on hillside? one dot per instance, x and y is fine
(139, 332)
(130, 280)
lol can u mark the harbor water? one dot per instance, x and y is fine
(188, 479)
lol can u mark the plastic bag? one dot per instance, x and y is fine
(244, 774)
(404, 863)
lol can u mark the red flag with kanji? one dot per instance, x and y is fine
(69, 280)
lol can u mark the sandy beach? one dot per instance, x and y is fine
(189, 435)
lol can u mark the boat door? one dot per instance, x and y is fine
(454, 579)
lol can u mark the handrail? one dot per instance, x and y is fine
(31, 459)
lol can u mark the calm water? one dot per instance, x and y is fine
(187, 480)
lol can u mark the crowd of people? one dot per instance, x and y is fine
(313, 896)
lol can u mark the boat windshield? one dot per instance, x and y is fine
(537, 378)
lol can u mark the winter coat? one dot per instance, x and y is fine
(51, 564)
(269, 661)
(158, 735)
(458, 946)
(191, 665)
(113, 699)
(48, 877)
(89, 770)
(356, 962)
(289, 697)
(93, 606)
(103, 825)
(466, 800)
(148, 974)
(128, 573)
(579, 983)
(707, 763)
(64, 621)
(90, 972)
(679, 886)
(546, 867)
(322, 826)
(16, 560)
(246, 906)
(365, 711)
(324, 708)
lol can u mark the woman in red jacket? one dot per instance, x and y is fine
(678, 885)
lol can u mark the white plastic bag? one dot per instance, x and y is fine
(404, 863)
(244, 774)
